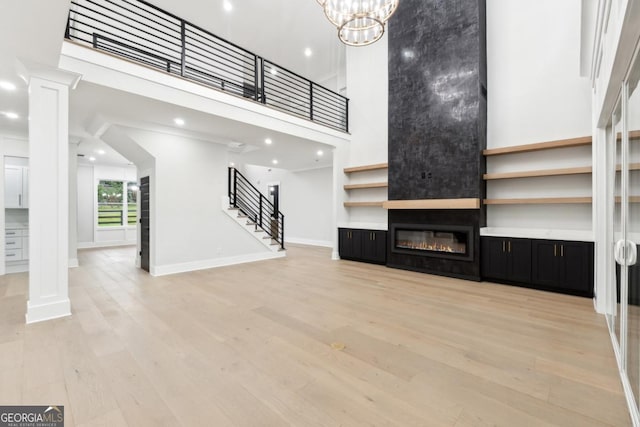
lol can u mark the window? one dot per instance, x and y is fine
(114, 205)
(132, 203)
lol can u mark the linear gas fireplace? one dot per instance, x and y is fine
(450, 241)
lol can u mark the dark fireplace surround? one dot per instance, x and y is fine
(437, 131)
(464, 266)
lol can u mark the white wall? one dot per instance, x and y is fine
(536, 94)
(189, 230)
(367, 89)
(86, 208)
(89, 235)
(306, 201)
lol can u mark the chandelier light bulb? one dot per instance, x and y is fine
(359, 22)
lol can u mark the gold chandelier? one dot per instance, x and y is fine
(359, 22)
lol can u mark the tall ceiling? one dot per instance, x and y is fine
(279, 30)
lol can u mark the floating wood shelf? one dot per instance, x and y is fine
(433, 204)
(632, 199)
(573, 142)
(368, 185)
(550, 172)
(363, 204)
(535, 173)
(366, 168)
(632, 167)
(539, 201)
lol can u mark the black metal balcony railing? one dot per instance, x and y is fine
(139, 31)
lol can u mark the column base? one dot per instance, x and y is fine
(48, 311)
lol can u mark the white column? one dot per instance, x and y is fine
(49, 190)
(73, 203)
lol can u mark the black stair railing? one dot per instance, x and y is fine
(142, 32)
(256, 206)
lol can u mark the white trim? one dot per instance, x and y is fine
(631, 403)
(626, 385)
(18, 267)
(335, 256)
(73, 263)
(91, 245)
(310, 242)
(48, 311)
(184, 267)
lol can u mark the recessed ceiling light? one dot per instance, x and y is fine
(92, 159)
(275, 162)
(101, 152)
(7, 85)
(308, 52)
(268, 141)
(10, 115)
(227, 6)
(178, 121)
(319, 153)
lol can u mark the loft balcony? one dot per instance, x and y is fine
(138, 31)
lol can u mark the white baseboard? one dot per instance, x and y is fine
(310, 242)
(48, 311)
(184, 267)
(17, 267)
(335, 256)
(92, 245)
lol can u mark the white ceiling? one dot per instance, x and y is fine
(278, 30)
(93, 104)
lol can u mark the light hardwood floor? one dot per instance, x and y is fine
(306, 341)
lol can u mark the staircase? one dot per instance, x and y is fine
(254, 212)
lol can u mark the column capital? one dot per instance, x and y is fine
(28, 69)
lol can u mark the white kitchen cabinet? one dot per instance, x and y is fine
(16, 187)
(16, 248)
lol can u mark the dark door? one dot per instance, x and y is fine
(577, 266)
(144, 223)
(519, 251)
(494, 260)
(380, 244)
(546, 269)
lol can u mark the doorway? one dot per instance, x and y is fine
(273, 192)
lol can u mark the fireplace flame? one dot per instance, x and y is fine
(456, 248)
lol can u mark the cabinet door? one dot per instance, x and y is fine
(25, 247)
(13, 187)
(344, 244)
(493, 257)
(24, 203)
(357, 240)
(519, 251)
(545, 262)
(576, 267)
(374, 246)
(350, 243)
(380, 242)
